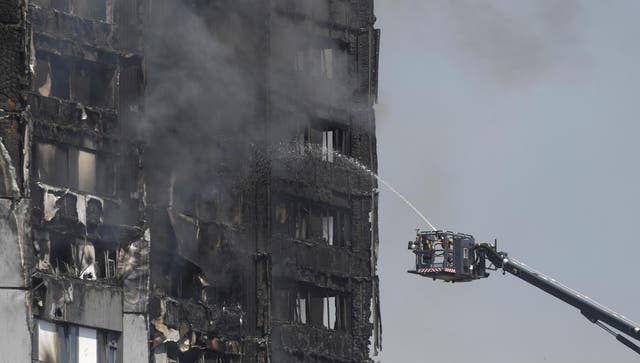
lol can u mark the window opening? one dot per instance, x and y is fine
(71, 167)
(301, 307)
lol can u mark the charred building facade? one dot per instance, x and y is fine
(185, 181)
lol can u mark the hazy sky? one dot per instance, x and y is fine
(516, 120)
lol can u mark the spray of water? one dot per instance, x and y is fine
(362, 167)
(406, 201)
(324, 153)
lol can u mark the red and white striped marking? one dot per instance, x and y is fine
(436, 269)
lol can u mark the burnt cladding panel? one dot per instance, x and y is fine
(10, 11)
(12, 66)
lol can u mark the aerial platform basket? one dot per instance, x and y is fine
(446, 256)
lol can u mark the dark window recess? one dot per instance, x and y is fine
(291, 219)
(71, 167)
(92, 84)
(81, 81)
(41, 81)
(52, 164)
(319, 307)
(130, 87)
(82, 259)
(106, 175)
(60, 256)
(311, 221)
(297, 304)
(183, 278)
(60, 71)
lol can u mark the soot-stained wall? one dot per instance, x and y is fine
(199, 162)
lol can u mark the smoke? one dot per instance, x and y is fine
(513, 42)
(222, 82)
(202, 92)
(226, 82)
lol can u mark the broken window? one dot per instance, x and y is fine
(336, 226)
(329, 309)
(42, 77)
(84, 260)
(95, 261)
(306, 220)
(291, 218)
(302, 224)
(343, 312)
(106, 260)
(331, 140)
(59, 74)
(52, 163)
(71, 167)
(320, 307)
(67, 343)
(327, 146)
(327, 229)
(92, 84)
(183, 277)
(130, 85)
(301, 307)
(329, 319)
(299, 298)
(341, 142)
(110, 264)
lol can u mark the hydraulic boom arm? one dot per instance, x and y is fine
(593, 311)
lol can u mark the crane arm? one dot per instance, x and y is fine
(593, 311)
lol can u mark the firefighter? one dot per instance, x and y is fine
(428, 251)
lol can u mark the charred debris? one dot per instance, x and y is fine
(157, 202)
